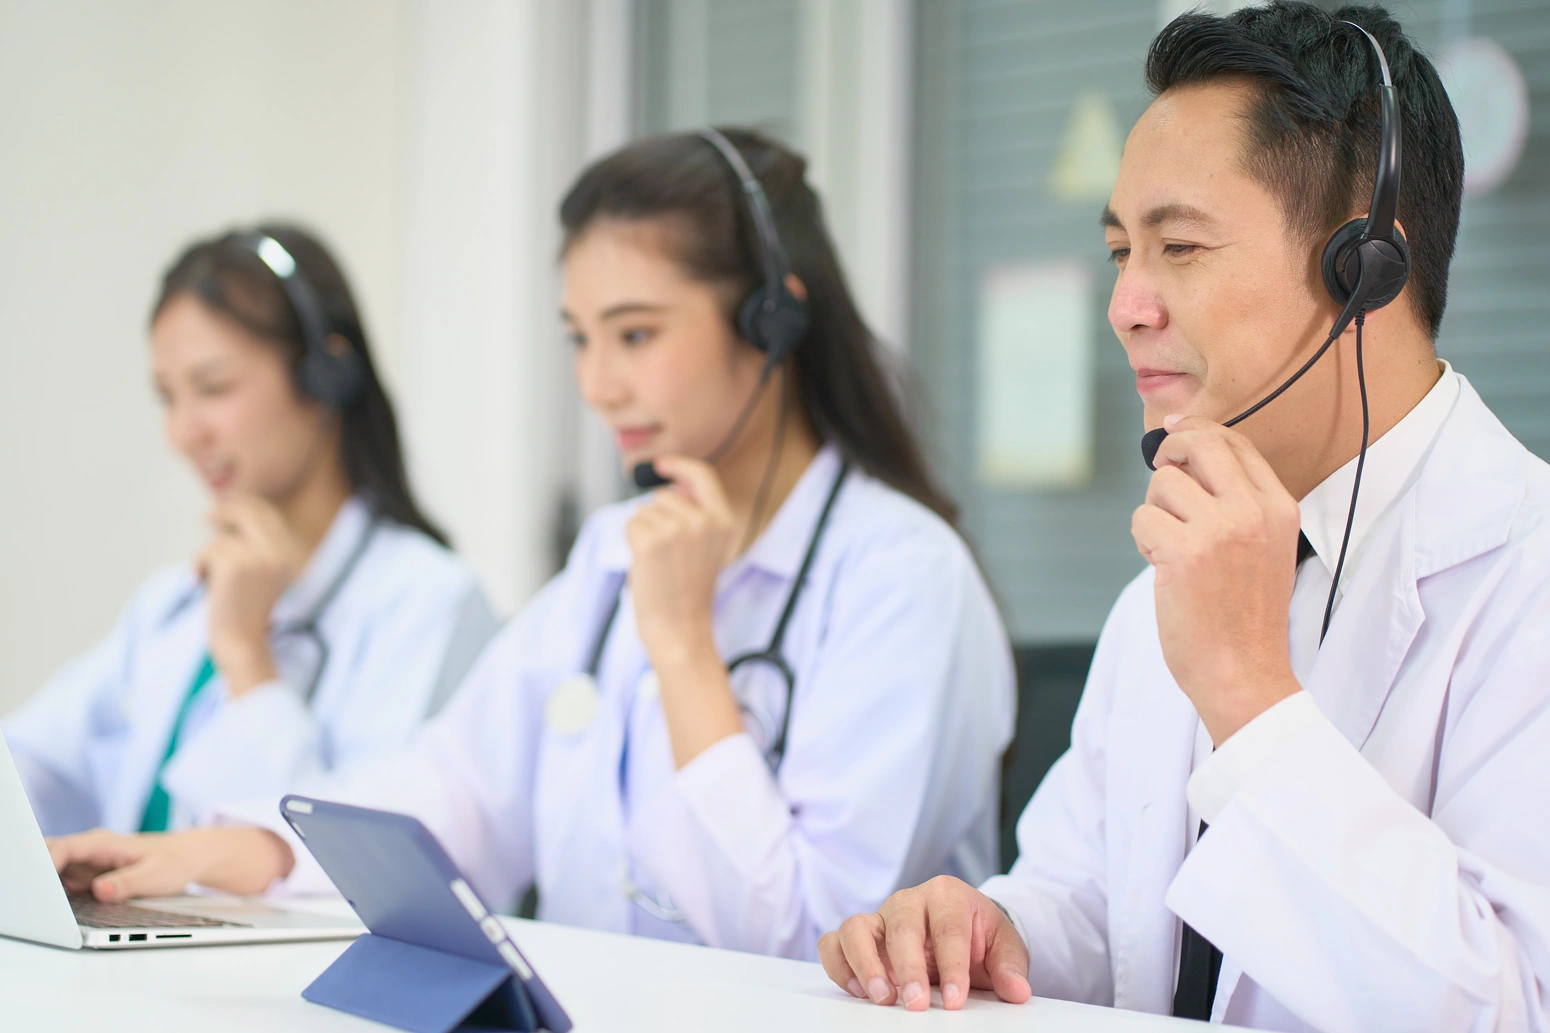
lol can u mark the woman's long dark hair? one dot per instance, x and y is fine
(842, 381)
(230, 279)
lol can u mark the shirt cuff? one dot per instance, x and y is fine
(1253, 747)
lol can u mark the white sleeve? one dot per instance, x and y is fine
(51, 735)
(268, 740)
(1448, 914)
(895, 743)
(1057, 890)
(468, 774)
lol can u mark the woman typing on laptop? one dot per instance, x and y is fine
(323, 616)
(679, 735)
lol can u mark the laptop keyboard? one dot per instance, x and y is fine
(108, 915)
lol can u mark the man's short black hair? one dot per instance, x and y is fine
(1312, 134)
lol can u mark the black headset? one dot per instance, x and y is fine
(1365, 265)
(1366, 261)
(330, 375)
(771, 318)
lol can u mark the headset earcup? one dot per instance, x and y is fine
(332, 378)
(1347, 260)
(775, 329)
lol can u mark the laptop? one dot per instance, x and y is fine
(34, 905)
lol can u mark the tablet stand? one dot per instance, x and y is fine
(422, 989)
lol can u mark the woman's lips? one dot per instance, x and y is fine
(632, 438)
(218, 478)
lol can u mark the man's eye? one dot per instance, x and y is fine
(1118, 254)
(1180, 250)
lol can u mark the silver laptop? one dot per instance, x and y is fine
(34, 905)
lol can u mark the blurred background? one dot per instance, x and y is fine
(963, 147)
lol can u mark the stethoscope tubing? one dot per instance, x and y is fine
(772, 653)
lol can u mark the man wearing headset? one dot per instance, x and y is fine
(1287, 804)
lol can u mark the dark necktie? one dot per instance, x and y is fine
(1200, 963)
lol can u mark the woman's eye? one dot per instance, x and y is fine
(214, 390)
(637, 335)
(576, 339)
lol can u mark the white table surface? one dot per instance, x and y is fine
(605, 981)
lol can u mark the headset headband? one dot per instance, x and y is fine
(772, 257)
(1385, 187)
(332, 378)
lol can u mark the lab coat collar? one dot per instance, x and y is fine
(1461, 504)
(300, 600)
(1393, 465)
(779, 550)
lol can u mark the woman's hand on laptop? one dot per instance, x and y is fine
(236, 859)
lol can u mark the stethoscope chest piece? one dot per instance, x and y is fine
(573, 705)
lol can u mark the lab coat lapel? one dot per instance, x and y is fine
(580, 862)
(1371, 631)
(1457, 509)
(1155, 741)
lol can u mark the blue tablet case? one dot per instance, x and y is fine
(435, 959)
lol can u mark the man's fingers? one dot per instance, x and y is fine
(1176, 492)
(832, 956)
(1153, 528)
(952, 930)
(1006, 960)
(859, 939)
(1208, 457)
(904, 938)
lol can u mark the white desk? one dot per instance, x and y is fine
(606, 982)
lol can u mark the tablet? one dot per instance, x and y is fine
(406, 889)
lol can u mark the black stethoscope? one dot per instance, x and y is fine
(771, 655)
(307, 627)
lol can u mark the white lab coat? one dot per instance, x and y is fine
(1385, 865)
(403, 628)
(904, 702)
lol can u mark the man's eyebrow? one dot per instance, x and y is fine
(1176, 212)
(1109, 221)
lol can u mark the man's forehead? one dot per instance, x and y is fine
(1182, 161)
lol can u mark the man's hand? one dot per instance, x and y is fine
(1221, 532)
(943, 931)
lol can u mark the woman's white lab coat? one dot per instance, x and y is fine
(904, 702)
(404, 626)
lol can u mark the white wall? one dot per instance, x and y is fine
(125, 130)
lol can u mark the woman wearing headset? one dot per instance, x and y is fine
(323, 616)
(689, 732)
